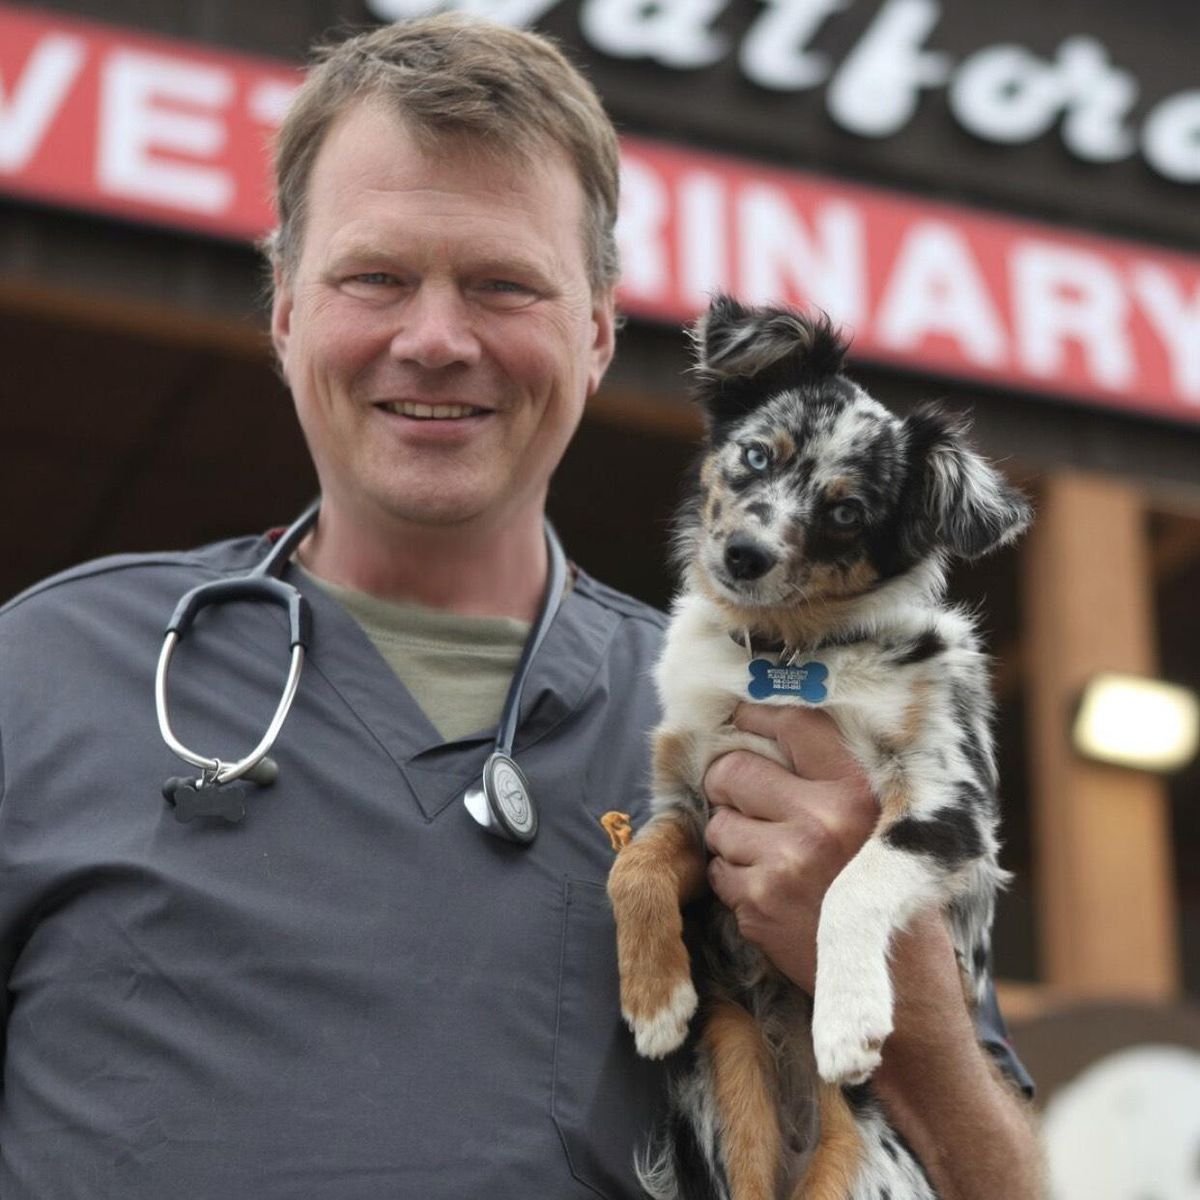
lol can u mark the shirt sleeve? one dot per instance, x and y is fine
(993, 1034)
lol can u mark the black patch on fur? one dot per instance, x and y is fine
(889, 1148)
(691, 1170)
(746, 356)
(859, 1096)
(965, 708)
(968, 508)
(759, 510)
(950, 837)
(717, 509)
(979, 960)
(927, 646)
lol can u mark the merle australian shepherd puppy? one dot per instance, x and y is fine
(813, 555)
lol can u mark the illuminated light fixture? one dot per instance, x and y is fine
(1136, 722)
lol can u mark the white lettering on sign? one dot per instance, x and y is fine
(142, 118)
(703, 249)
(641, 233)
(1000, 93)
(939, 289)
(877, 90)
(269, 100)
(781, 257)
(775, 54)
(936, 288)
(1176, 320)
(1171, 138)
(1007, 94)
(674, 33)
(27, 110)
(1062, 296)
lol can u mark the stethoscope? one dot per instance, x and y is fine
(501, 802)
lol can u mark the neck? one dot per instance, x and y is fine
(803, 624)
(474, 569)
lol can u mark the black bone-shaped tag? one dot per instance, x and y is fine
(191, 798)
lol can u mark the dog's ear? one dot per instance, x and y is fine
(744, 355)
(971, 509)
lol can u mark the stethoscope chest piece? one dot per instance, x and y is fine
(501, 801)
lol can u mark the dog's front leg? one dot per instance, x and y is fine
(872, 898)
(652, 878)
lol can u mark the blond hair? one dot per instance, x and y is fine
(506, 92)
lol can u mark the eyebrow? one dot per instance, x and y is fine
(488, 264)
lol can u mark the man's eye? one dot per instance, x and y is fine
(757, 457)
(374, 277)
(845, 516)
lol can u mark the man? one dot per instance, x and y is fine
(355, 992)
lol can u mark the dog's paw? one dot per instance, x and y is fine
(660, 1028)
(848, 1036)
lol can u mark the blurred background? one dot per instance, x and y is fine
(999, 202)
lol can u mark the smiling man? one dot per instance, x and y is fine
(440, 331)
(355, 992)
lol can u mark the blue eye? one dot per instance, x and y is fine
(757, 457)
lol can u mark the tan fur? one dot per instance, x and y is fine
(835, 1162)
(895, 801)
(798, 626)
(674, 760)
(831, 583)
(658, 872)
(746, 1101)
(783, 446)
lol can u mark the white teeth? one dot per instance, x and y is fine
(430, 412)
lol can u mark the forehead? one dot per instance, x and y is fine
(375, 180)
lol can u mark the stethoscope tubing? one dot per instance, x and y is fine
(262, 583)
(501, 802)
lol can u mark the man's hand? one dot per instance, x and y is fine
(780, 837)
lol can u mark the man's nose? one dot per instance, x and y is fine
(435, 329)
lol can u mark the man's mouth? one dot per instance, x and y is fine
(430, 412)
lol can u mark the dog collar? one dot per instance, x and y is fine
(782, 674)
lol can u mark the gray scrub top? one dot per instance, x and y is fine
(356, 993)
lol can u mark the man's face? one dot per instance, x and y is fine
(439, 332)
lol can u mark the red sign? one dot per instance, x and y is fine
(99, 118)
(928, 286)
(171, 133)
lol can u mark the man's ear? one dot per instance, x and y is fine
(604, 337)
(746, 355)
(281, 316)
(971, 508)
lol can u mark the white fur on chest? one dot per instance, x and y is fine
(704, 673)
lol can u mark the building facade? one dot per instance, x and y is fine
(998, 202)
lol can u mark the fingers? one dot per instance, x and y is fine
(755, 786)
(759, 788)
(808, 736)
(736, 838)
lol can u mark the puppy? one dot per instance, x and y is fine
(813, 557)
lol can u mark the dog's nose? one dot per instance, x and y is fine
(746, 559)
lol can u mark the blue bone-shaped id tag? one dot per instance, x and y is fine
(777, 679)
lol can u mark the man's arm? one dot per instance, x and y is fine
(779, 838)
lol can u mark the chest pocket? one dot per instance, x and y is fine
(606, 1099)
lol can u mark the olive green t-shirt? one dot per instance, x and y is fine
(456, 668)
